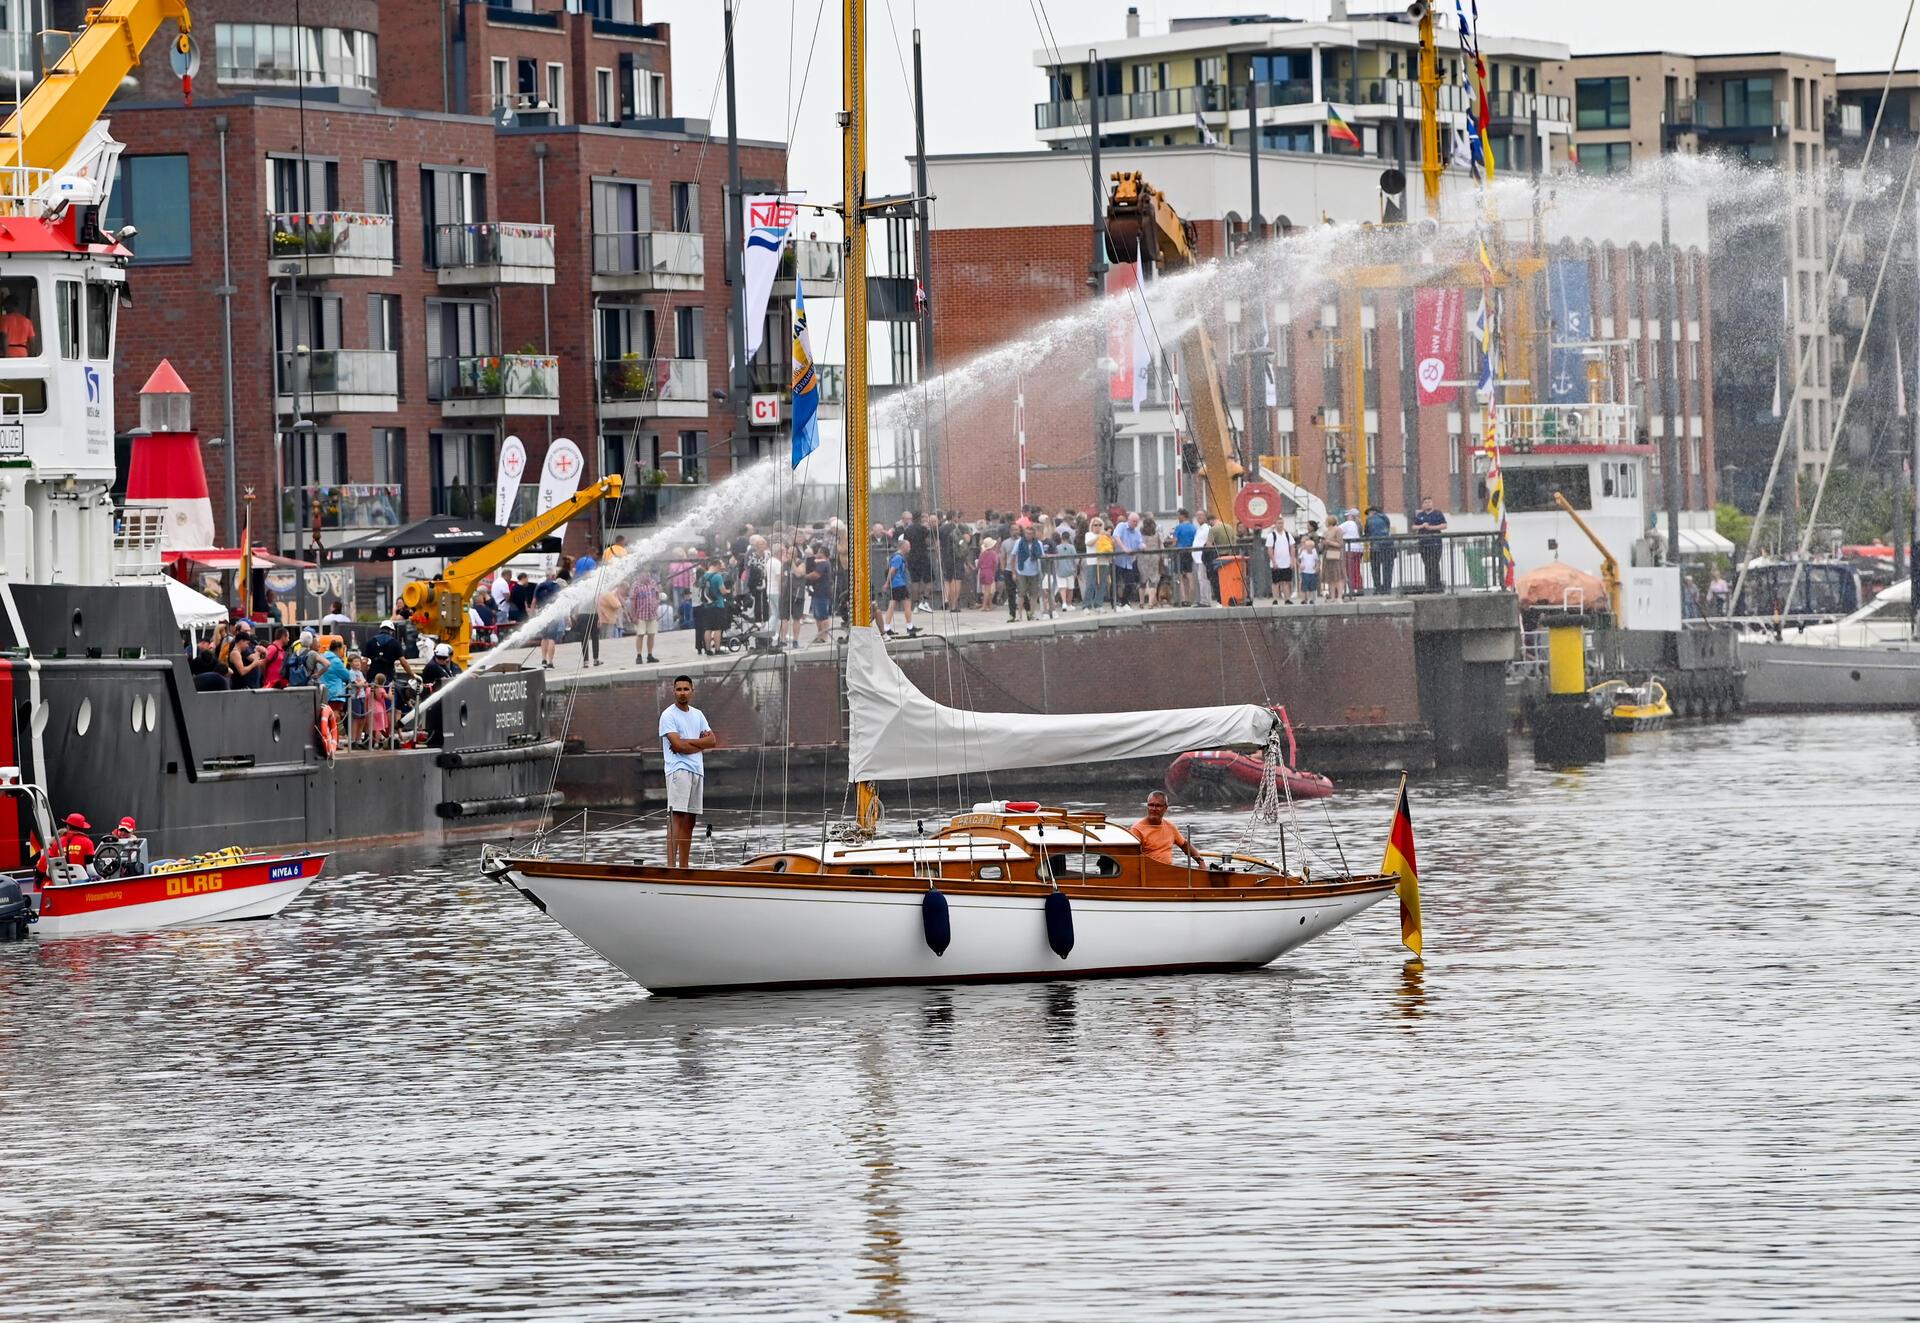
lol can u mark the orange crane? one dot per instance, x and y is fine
(1142, 223)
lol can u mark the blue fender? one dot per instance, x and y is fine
(1059, 923)
(934, 921)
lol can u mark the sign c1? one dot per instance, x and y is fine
(764, 410)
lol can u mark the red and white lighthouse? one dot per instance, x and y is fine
(165, 470)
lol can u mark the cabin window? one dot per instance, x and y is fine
(30, 391)
(991, 873)
(1075, 864)
(66, 299)
(20, 317)
(100, 305)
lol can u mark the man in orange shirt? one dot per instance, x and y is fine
(16, 327)
(1160, 836)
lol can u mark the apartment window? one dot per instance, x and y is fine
(1800, 103)
(456, 329)
(688, 325)
(315, 459)
(302, 184)
(526, 82)
(1208, 71)
(686, 208)
(604, 109)
(557, 91)
(390, 455)
(502, 83)
(309, 320)
(383, 326)
(282, 53)
(1747, 103)
(693, 452)
(622, 211)
(641, 90)
(449, 197)
(1600, 103)
(382, 188)
(1606, 158)
(151, 192)
(463, 465)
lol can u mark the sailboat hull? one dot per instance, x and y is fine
(1784, 677)
(688, 936)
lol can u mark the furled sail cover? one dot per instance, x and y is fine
(897, 732)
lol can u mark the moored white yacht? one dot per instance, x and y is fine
(1869, 659)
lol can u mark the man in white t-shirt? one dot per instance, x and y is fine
(684, 738)
(1203, 584)
(1280, 558)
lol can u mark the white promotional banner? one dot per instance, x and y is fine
(769, 223)
(506, 483)
(560, 477)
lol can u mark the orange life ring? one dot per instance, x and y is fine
(328, 729)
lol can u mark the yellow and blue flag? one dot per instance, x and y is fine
(806, 384)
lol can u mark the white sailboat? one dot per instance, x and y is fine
(1869, 659)
(1009, 891)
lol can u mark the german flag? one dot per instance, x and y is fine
(1339, 129)
(1400, 859)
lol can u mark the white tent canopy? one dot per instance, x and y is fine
(191, 610)
(896, 732)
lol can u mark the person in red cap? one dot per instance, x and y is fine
(72, 846)
(132, 846)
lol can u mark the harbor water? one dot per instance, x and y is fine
(1659, 1063)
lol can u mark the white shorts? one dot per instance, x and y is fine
(684, 792)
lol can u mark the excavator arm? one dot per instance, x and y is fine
(439, 605)
(1609, 567)
(1140, 222)
(50, 125)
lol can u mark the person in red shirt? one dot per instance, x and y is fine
(72, 846)
(16, 328)
(1158, 836)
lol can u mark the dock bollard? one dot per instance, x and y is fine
(1568, 730)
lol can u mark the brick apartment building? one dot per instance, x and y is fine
(995, 281)
(477, 220)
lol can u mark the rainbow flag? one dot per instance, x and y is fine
(1339, 128)
(1400, 859)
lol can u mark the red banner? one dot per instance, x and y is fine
(1436, 342)
(1120, 334)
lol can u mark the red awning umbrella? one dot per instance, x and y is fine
(228, 558)
(1561, 585)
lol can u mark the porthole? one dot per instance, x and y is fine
(79, 624)
(139, 714)
(276, 730)
(463, 716)
(153, 713)
(83, 719)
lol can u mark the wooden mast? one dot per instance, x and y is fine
(853, 122)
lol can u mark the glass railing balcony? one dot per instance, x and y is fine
(337, 372)
(494, 377)
(650, 253)
(637, 380)
(355, 235)
(484, 245)
(811, 260)
(356, 506)
(833, 382)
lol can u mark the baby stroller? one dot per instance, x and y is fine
(741, 626)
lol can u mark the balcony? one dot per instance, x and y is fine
(326, 381)
(1529, 427)
(346, 508)
(641, 261)
(814, 261)
(508, 13)
(636, 387)
(1747, 120)
(319, 245)
(496, 385)
(493, 253)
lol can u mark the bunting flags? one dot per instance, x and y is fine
(1338, 130)
(806, 384)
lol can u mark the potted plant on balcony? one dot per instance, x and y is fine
(633, 377)
(535, 378)
(287, 243)
(490, 378)
(652, 479)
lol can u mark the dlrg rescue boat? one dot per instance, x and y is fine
(122, 893)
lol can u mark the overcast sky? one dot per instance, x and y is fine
(982, 83)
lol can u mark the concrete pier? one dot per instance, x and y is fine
(1372, 685)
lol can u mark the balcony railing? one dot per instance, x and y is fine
(356, 506)
(338, 372)
(341, 234)
(833, 382)
(1526, 426)
(1745, 119)
(642, 505)
(640, 380)
(1215, 98)
(492, 376)
(810, 260)
(649, 252)
(493, 244)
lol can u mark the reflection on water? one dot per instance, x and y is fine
(1658, 1063)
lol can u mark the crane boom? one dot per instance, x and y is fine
(1141, 221)
(1609, 567)
(439, 604)
(50, 125)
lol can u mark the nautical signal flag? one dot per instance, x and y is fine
(1338, 130)
(1400, 859)
(806, 384)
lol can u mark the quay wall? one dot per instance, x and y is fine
(1351, 676)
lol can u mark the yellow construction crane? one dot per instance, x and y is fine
(1609, 567)
(50, 125)
(1140, 221)
(439, 605)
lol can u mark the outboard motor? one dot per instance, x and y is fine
(16, 911)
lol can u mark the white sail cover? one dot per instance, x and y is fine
(896, 732)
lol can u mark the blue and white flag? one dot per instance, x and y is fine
(1570, 297)
(769, 223)
(806, 384)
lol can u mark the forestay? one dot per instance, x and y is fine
(897, 732)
